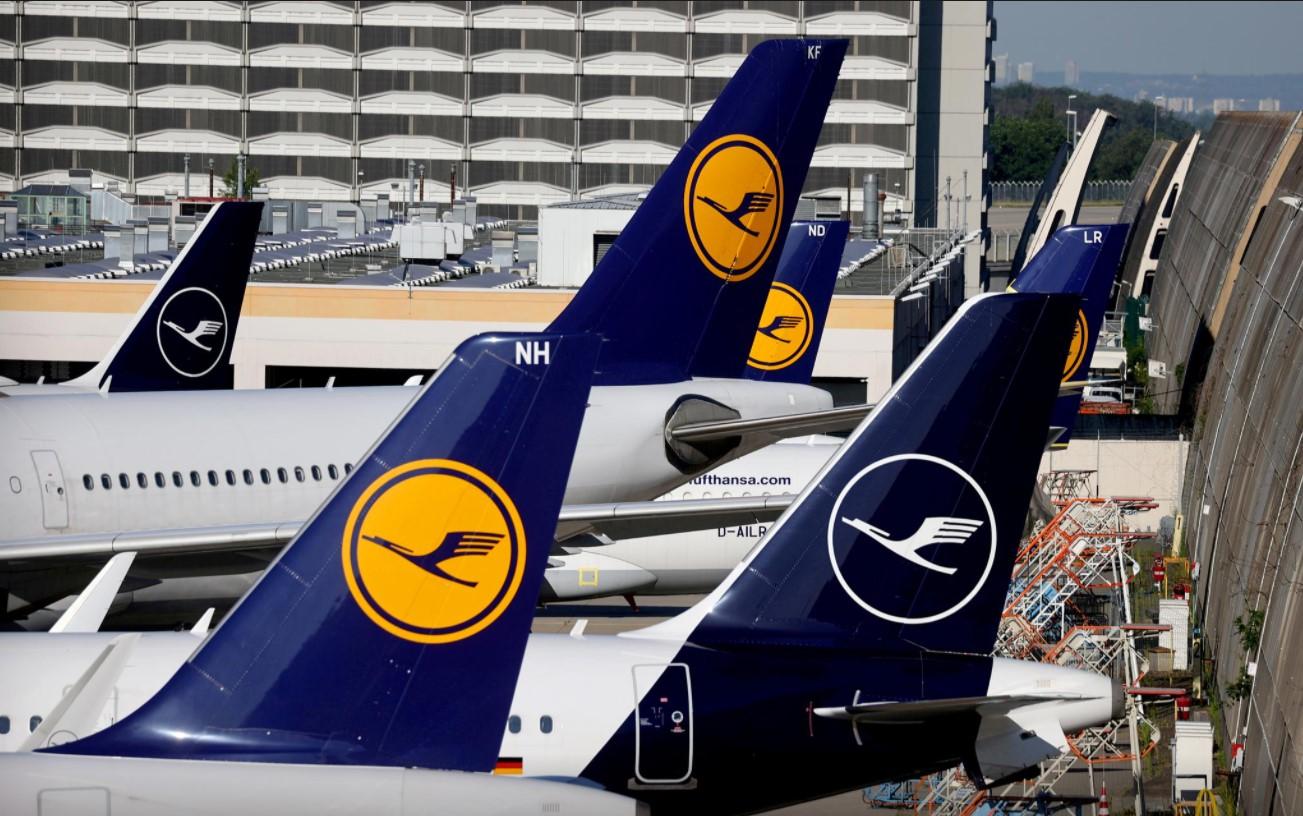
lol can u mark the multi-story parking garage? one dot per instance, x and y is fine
(530, 103)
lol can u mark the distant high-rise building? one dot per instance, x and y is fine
(1071, 74)
(1223, 105)
(1026, 72)
(1001, 68)
(1269, 104)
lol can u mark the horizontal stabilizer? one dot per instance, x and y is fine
(775, 427)
(915, 711)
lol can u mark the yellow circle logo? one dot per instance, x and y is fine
(732, 203)
(433, 551)
(786, 328)
(1077, 348)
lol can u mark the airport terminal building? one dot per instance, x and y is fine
(530, 103)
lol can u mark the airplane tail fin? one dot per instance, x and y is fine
(679, 292)
(390, 631)
(791, 325)
(1079, 260)
(906, 539)
(181, 337)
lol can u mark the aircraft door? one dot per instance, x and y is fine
(663, 738)
(54, 498)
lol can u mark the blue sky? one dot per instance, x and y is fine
(1227, 37)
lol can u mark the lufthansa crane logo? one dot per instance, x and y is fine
(433, 551)
(786, 328)
(191, 331)
(1077, 348)
(733, 203)
(912, 538)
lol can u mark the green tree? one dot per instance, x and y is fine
(251, 179)
(1025, 116)
(1022, 147)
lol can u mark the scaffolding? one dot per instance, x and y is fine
(1067, 604)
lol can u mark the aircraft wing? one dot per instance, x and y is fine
(637, 519)
(614, 519)
(772, 429)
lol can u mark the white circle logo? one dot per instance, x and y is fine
(191, 331)
(912, 538)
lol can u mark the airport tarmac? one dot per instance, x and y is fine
(1014, 217)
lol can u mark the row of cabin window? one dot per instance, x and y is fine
(544, 724)
(196, 479)
(32, 724)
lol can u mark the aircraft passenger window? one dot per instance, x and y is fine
(316, 473)
(194, 478)
(4, 725)
(212, 478)
(333, 471)
(176, 479)
(87, 482)
(106, 481)
(230, 477)
(282, 475)
(513, 724)
(16, 484)
(265, 474)
(545, 724)
(34, 722)
(142, 480)
(298, 473)
(124, 480)
(248, 476)
(348, 468)
(159, 480)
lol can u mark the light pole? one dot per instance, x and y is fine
(361, 176)
(421, 170)
(1072, 115)
(210, 178)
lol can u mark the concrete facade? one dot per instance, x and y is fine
(954, 59)
(531, 103)
(1228, 310)
(343, 326)
(1126, 467)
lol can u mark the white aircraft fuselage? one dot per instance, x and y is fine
(194, 459)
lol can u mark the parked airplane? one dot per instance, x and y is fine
(1077, 260)
(181, 337)
(791, 324)
(824, 662)
(1045, 273)
(422, 668)
(676, 300)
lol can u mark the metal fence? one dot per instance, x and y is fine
(1022, 192)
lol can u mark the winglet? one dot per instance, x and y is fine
(680, 291)
(345, 652)
(181, 338)
(87, 612)
(791, 325)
